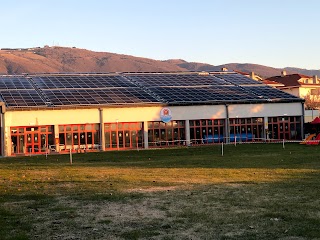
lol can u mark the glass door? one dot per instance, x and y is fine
(33, 142)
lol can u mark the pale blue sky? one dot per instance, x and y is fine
(276, 33)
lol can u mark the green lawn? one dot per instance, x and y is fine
(256, 191)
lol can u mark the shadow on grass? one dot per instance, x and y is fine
(285, 209)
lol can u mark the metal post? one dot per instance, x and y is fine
(222, 149)
(283, 144)
(117, 134)
(70, 156)
(45, 143)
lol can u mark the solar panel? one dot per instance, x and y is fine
(268, 92)
(203, 94)
(132, 88)
(98, 96)
(81, 81)
(154, 80)
(14, 83)
(22, 98)
(237, 79)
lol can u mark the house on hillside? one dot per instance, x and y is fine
(298, 84)
(301, 86)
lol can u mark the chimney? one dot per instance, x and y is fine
(315, 79)
(252, 76)
(224, 69)
(283, 73)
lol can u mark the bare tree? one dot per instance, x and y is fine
(312, 101)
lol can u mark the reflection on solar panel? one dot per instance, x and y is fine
(152, 80)
(81, 81)
(14, 83)
(203, 94)
(98, 96)
(237, 79)
(22, 98)
(269, 92)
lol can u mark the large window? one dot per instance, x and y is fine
(79, 136)
(123, 135)
(246, 129)
(31, 139)
(286, 127)
(166, 134)
(207, 131)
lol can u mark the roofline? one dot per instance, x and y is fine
(155, 104)
(112, 73)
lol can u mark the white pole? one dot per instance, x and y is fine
(222, 149)
(235, 140)
(70, 157)
(283, 143)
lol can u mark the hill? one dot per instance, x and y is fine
(63, 59)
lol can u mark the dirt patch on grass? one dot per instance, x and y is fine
(153, 189)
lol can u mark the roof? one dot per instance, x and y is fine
(289, 80)
(62, 90)
(242, 73)
(273, 83)
(250, 75)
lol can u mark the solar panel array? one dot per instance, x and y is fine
(195, 87)
(23, 98)
(10, 83)
(156, 80)
(62, 90)
(81, 81)
(268, 92)
(238, 79)
(134, 88)
(203, 94)
(98, 96)
(18, 91)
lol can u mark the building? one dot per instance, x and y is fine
(298, 84)
(115, 111)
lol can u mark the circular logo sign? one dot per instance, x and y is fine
(165, 115)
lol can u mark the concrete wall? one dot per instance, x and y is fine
(294, 91)
(140, 114)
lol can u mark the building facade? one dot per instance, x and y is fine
(181, 109)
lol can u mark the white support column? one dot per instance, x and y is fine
(265, 129)
(102, 139)
(145, 135)
(4, 151)
(187, 132)
(56, 138)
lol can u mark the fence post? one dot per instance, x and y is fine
(235, 141)
(283, 144)
(222, 149)
(70, 157)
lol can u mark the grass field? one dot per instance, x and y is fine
(256, 191)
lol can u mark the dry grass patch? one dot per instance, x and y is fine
(178, 194)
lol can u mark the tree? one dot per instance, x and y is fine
(312, 100)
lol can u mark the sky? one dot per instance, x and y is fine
(275, 33)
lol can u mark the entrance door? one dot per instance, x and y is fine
(33, 142)
(284, 130)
